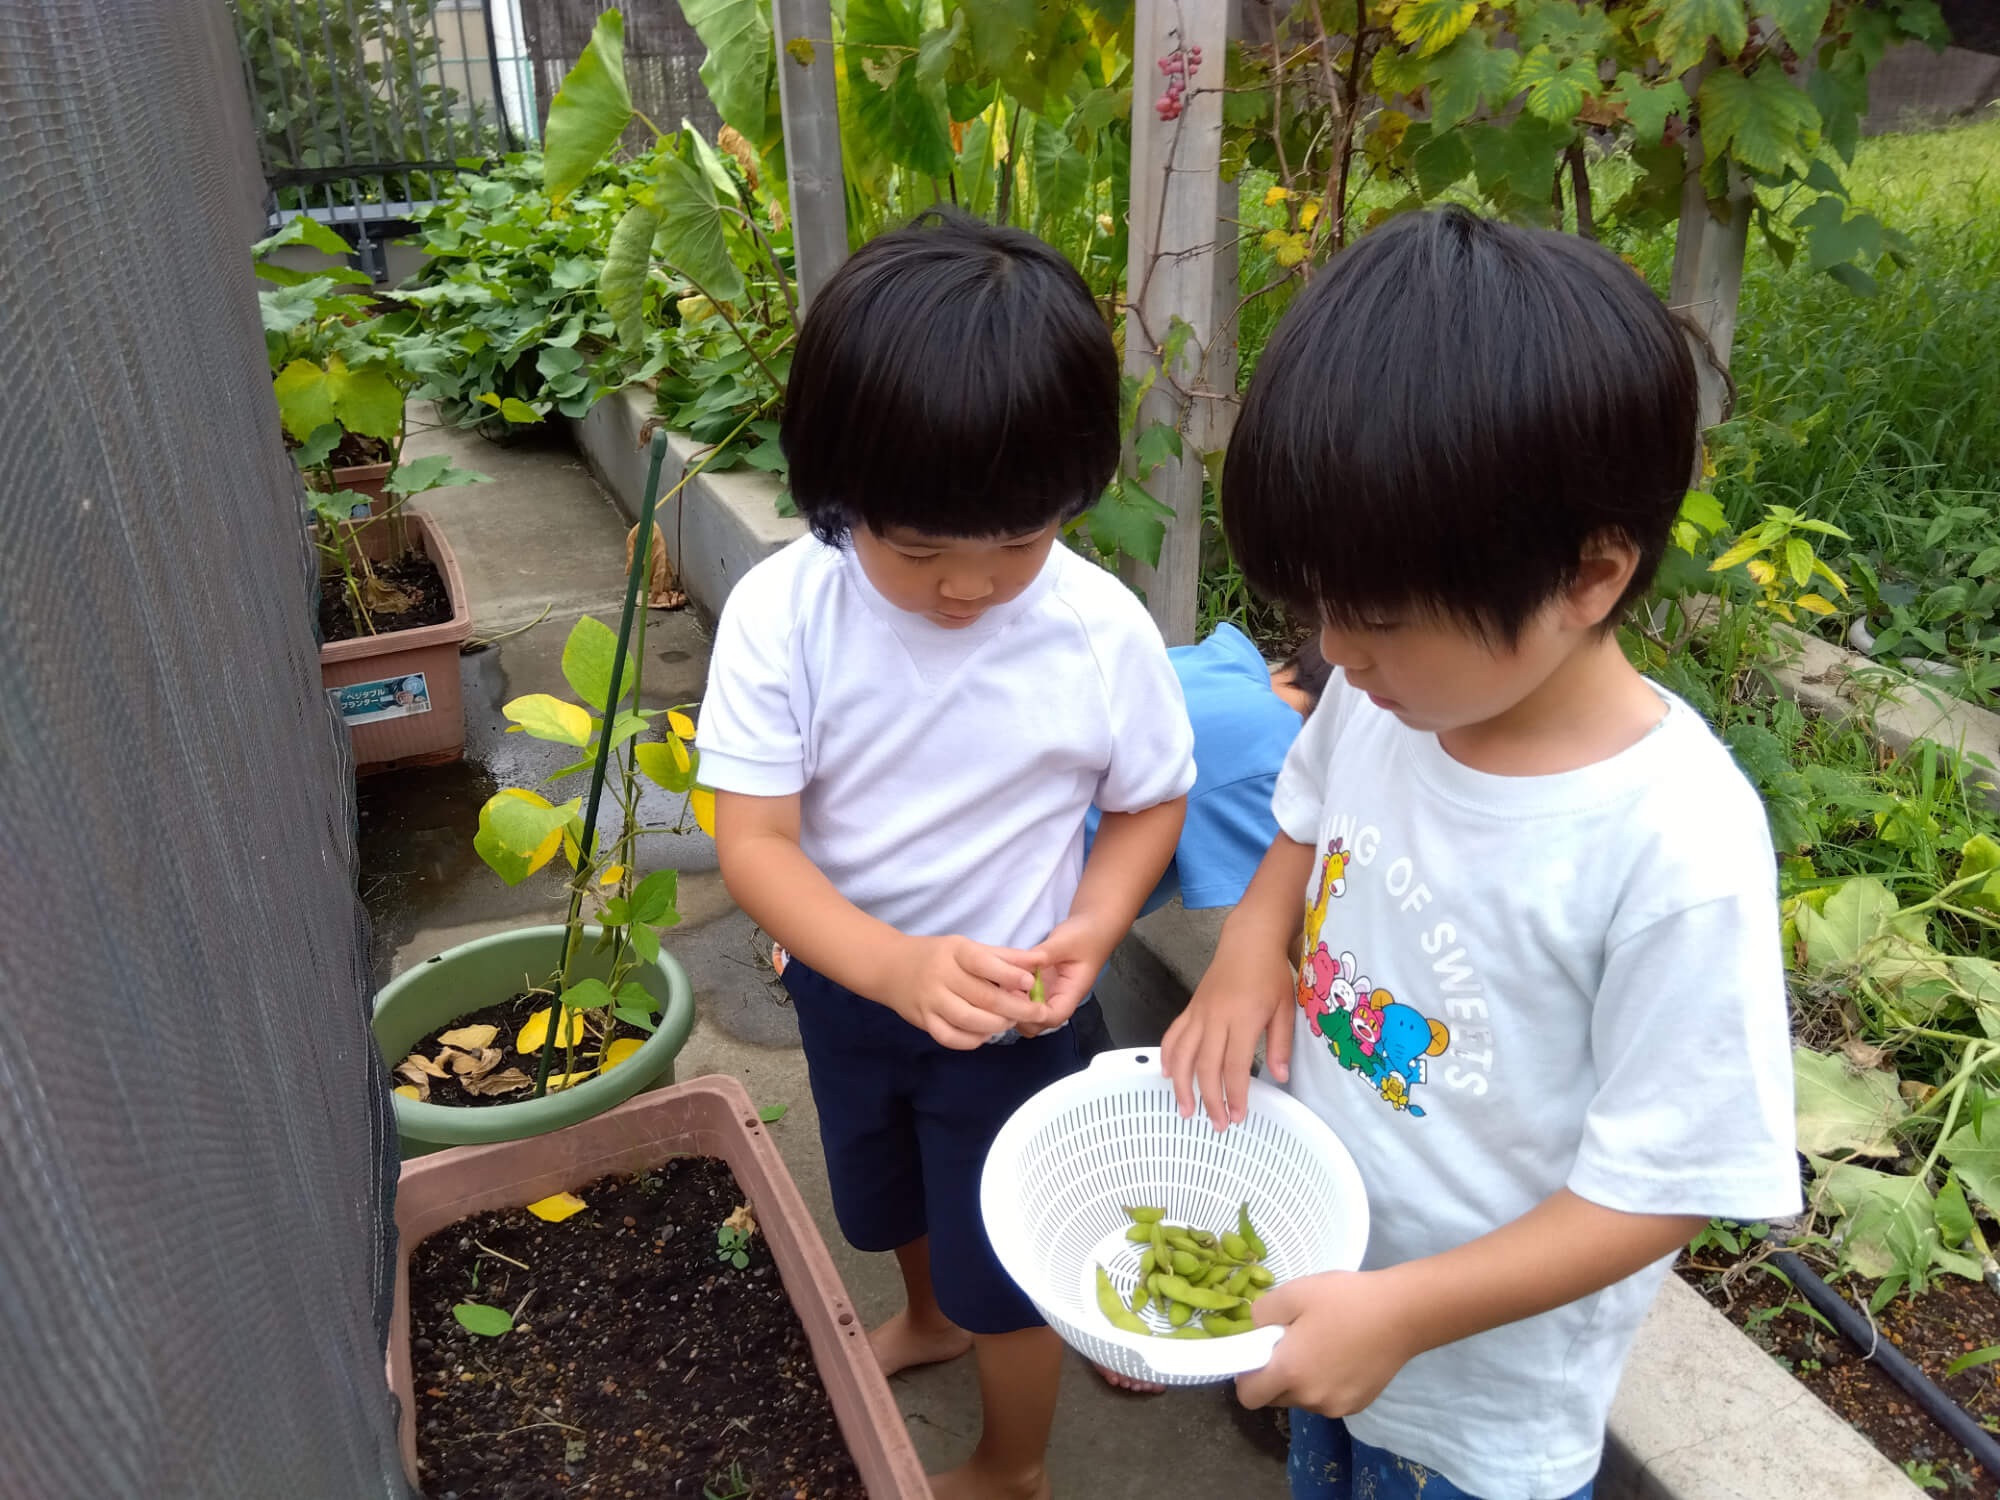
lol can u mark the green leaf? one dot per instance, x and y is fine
(435, 471)
(1128, 520)
(1843, 1109)
(1555, 90)
(590, 112)
(1000, 30)
(308, 231)
(1158, 443)
(586, 663)
(1980, 855)
(1954, 1214)
(1975, 1160)
(549, 718)
(305, 404)
(896, 116)
(1518, 158)
(1686, 26)
(1764, 120)
(587, 994)
(1833, 236)
(1800, 20)
(1467, 74)
(1973, 1360)
(1648, 106)
(658, 765)
(1061, 173)
(631, 1015)
(487, 1322)
(318, 448)
(653, 897)
(1703, 511)
(621, 284)
(522, 826)
(633, 995)
(770, 1114)
(517, 411)
(1432, 25)
(1398, 72)
(1441, 161)
(1891, 1223)
(1858, 912)
(646, 943)
(934, 52)
(737, 69)
(690, 236)
(1799, 558)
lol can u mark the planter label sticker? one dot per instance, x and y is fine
(390, 698)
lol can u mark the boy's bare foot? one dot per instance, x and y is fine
(973, 1481)
(901, 1344)
(1126, 1383)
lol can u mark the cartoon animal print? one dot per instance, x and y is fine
(1316, 965)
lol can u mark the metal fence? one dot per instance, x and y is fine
(662, 58)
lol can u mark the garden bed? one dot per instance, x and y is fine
(643, 1361)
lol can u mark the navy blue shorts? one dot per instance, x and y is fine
(906, 1123)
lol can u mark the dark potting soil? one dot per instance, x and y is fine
(510, 1016)
(1953, 1317)
(641, 1364)
(415, 574)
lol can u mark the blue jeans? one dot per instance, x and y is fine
(1327, 1464)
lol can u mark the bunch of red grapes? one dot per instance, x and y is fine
(1177, 65)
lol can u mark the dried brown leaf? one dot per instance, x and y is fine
(471, 1064)
(1862, 1054)
(741, 1219)
(508, 1081)
(470, 1038)
(416, 1067)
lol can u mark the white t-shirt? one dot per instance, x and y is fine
(1513, 985)
(943, 775)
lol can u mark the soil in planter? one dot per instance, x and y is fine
(641, 1365)
(1954, 1317)
(414, 574)
(509, 1016)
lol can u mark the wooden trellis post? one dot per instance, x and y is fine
(1708, 273)
(1181, 263)
(810, 109)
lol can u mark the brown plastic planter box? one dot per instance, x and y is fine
(704, 1117)
(385, 731)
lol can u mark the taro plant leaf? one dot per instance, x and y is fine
(1843, 1109)
(1687, 25)
(737, 69)
(590, 112)
(519, 832)
(659, 764)
(434, 471)
(549, 718)
(587, 994)
(690, 237)
(487, 1322)
(653, 897)
(586, 663)
(710, 161)
(621, 285)
(896, 115)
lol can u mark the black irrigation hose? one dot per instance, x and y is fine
(1861, 1333)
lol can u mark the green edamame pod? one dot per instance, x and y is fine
(1035, 991)
(1190, 1332)
(1179, 1314)
(1222, 1327)
(1203, 1238)
(1262, 1276)
(1202, 1297)
(1239, 1282)
(1185, 1263)
(1180, 1239)
(1139, 1234)
(1243, 1227)
(1236, 1247)
(1145, 1215)
(1158, 1239)
(1253, 1291)
(1109, 1303)
(1215, 1275)
(1140, 1297)
(1146, 1264)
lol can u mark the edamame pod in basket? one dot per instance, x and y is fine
(1109, 1303)
(1202, 1297)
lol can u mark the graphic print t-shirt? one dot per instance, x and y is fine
(1511, 985)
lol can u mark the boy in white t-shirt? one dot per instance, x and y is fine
(908, 714)
(1539, 992)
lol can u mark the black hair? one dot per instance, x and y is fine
(1309, 671)
(1445, 419)
(954, 378)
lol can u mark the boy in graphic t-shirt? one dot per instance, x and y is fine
(1517, 941)
(908, 714)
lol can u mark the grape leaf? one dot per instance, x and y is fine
(1687, 25)
(1432, 25)
(1800, 20)
(1128, 520)
(1647, 106)
(1555, 89)
(1764, 120)
(1465, 74)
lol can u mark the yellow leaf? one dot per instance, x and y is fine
(548, 718)
(680, 724)
(546, 850)
(569, 1080)
(559, 1207)
(408, 1091)
(621, 1049)
(471, 1038)
(536, 1031)
(1742, 552)
(1309, 215)
(612, 875)
(702, 800)
(1276, 195)
(1813, 603)
(678, 748)
(1760, 571)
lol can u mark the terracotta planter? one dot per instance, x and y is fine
(707, 1117)
(392, 720)
(487, 970)
(368, 479)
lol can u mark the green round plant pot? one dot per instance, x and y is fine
(487, 970)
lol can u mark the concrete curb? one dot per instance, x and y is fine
(717, 529)
(1702, 1413)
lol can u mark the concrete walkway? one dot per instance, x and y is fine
(543, 534)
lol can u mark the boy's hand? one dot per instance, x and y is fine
(1346, 1336)
(1069, 961)
(1245, 996)
(962, 992)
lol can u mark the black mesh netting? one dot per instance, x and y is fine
(195, 1149)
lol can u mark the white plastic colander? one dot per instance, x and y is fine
(1064, 1168)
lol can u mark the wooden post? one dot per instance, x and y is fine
(1708, 273)
(810, 108)
(1181, 263)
